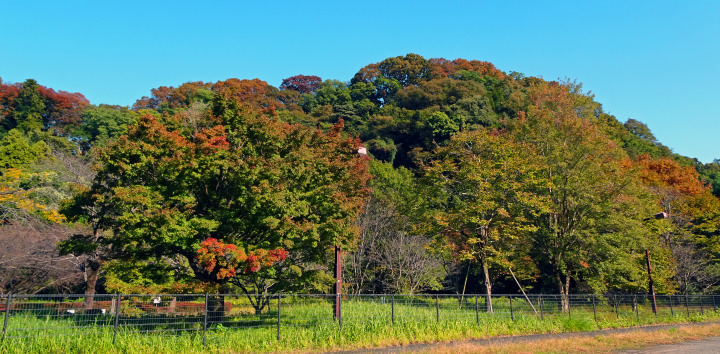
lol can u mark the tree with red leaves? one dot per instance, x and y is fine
(244, 200)
(301, 83)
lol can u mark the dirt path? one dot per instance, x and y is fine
(708, 345)
(713, 346)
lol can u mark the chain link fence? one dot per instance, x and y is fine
(211, 316)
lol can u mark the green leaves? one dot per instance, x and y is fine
(243, 178)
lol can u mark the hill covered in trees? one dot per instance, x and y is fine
(476, 180)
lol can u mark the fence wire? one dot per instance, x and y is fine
(212, 316)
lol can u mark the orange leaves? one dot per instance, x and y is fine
(226, 260)
(678, 188)
(171, 97)
(211, 140)
(255, 93)
(668, 173)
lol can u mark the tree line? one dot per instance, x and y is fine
(475, 181)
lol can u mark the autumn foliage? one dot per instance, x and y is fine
(240, 183)
(227, 260)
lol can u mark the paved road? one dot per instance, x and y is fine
(713, 345)
(708, 345)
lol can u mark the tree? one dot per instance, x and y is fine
(593, 214)
(32, 108)
(711, 173)
(390, 256)
(481, 183)
(101, 124)
(27, 109)
(301, 83)
(34, 265)
(16, 151)
(249, 181)
(16, 202)
(692, 221)
(168, 98)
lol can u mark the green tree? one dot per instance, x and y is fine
(481, 182)
(249, 181)
(27, 109)
(16, 150)
(594, 211)
(103, 123)
(711, 173)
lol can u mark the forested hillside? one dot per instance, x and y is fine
(475, 181)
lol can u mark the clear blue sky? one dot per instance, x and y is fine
(654, 61)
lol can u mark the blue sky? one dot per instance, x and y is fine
(657, 62)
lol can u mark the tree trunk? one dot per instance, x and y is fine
(564, 292)
(467, 273)
(488, 287)
(216, 308)
(94, 272)
(261, 301)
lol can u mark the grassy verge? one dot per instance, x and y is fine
(305, 327)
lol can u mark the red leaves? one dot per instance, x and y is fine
(212, 140)
(301, 83)
(227, 260)
(219, 142)
(62, 109)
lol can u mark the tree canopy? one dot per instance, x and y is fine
(475, 180)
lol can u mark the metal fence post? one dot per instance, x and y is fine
(437, 308)
(205, 318)
(687, 305)
(617, 313)
(594, 312)
(702, 309)
(542, 316)
(477, 311)
(338, 300)
(637, 310)
(512, 315)
(672, 313)
(278, 318)
(714, 305)
(392, 307)
(569, 305)
(117, 316)
(7, 313)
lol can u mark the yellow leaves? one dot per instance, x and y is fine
(14, 197)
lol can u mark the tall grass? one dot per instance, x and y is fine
(306, 324)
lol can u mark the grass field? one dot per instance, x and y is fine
(306, 324)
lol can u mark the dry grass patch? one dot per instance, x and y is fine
(599, 344)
